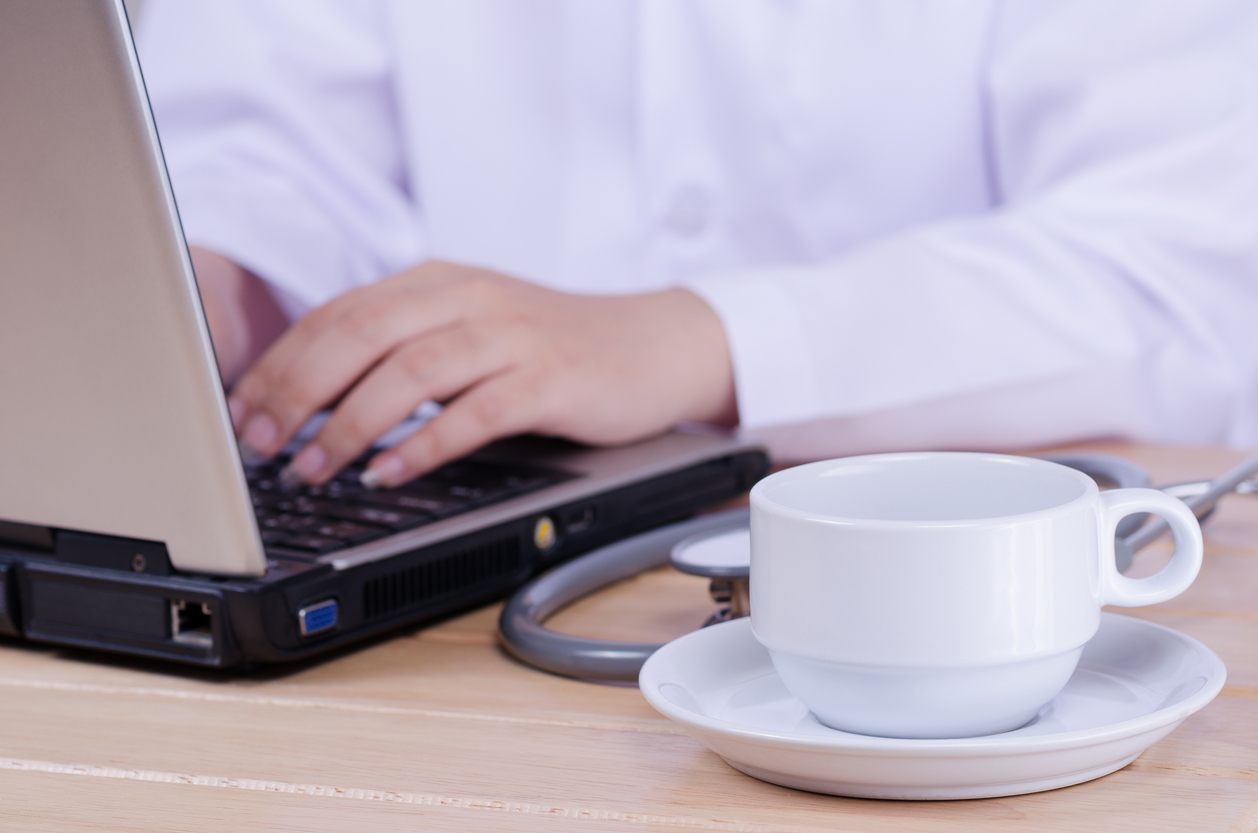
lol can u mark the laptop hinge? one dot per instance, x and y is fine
(130, 555)
(26, 536)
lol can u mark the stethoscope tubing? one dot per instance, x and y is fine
(525, 637)
(1201, 504)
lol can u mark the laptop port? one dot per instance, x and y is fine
(317, 618)
(191, 623)
(579, 520)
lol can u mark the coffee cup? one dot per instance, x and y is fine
(942, 594)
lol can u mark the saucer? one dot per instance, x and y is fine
(1135, 683)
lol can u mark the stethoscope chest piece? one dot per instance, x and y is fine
(725, 559)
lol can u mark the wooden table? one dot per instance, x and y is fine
(437, 729)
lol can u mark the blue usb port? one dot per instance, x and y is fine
(319, 617)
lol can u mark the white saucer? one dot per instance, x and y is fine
(1136, 682)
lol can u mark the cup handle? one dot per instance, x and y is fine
(1173, 579)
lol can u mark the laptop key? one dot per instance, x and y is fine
(314, 543)
(289, 523)
(285, 504)
(432, 505)
(273, 537)
(391, 519)
(342, 513)
(450, 493)
(350, 533)
(335, 490)
(264, 485)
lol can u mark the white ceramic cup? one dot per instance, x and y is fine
(942, 595)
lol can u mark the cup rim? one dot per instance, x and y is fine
(761, 502)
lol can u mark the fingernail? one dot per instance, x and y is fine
(309, 461)
(237, 410)
(386, 471)
(260, 433)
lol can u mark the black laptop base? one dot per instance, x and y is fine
(86, 591)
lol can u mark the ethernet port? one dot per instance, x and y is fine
(191, 623)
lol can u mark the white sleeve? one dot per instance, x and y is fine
(280, 133)
(1113, 291)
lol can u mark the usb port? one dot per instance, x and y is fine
(191, 623)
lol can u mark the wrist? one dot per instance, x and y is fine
(705, 370)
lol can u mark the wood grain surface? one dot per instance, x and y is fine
(438, 729)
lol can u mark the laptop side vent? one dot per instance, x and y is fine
(460, 571)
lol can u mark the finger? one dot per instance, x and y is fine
(251, 389)
(246, 402)
(436, 366)
(325, 358)
(500, 406)
(428, 276)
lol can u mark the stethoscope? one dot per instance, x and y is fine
(718, 547)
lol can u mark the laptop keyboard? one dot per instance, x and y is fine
(315, 520)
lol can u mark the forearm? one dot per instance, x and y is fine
(997, 333)
(697, 354)
(243, 316)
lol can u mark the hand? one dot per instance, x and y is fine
(505, 356)
(242, 314)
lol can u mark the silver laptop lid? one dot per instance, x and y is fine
(112, 416)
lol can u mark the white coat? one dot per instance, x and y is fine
(923, 223)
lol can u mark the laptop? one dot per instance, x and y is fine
(127, 520)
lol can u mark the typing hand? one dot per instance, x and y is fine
(243, 316)
(505, 356)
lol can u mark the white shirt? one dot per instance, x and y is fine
(940, 223)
